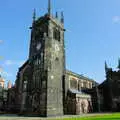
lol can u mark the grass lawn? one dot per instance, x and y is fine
(114, 116)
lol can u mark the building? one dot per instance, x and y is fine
(76, 96)
(2, 82)
(43, 85)
(9, 84)
(3, 94)
(1, 90)
(109, 90)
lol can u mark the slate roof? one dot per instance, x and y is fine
(79, 76)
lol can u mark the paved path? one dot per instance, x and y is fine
(15, 117)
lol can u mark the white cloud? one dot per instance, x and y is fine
(6, 74)
(1, 41)
(8, 62)
(116, 19)
(13, 62)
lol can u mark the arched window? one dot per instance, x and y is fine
(56, 34)
(73, 84)
(79, 85)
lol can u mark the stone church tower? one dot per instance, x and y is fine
(40, 81)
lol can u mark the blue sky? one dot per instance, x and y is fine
(92, 34)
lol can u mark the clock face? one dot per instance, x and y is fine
(57, 47)
(38, 46)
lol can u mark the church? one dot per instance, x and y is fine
(43, 85)
(109, 90)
